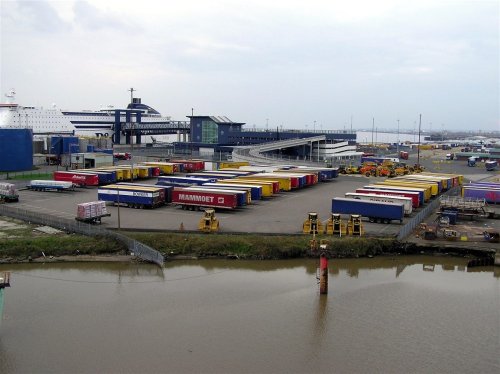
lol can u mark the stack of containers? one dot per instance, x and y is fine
(91, 210)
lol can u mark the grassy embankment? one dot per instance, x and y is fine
(21, 241)
(258, 246)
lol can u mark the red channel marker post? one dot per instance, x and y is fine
(323, 274)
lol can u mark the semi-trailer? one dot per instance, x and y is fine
(46, 185)
(383, 187)
(214, 174)
(275, 184)
(8, 192)
(375, 211)
(105, 177)
(426, 193)
(297, 180)
(243, 197)
(132, 196)
(91, 212)
(80, 179)
(255, 191)
(440, 183)
(166, 168)
(190, 166)
(414, 196)
(267, 187)
(168, 189)
(406, 201)
(432, 188)
(284, 183)
(182, 181)
(324, 174)
(189, 199)
(117, 172)
(490, 194)
(458, 179)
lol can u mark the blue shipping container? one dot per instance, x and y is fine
(67, 142)
(374, 210)
(56, 145)
(16, 149)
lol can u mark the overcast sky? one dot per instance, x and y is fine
(294, 64)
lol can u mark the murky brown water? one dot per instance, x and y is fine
(417, 314)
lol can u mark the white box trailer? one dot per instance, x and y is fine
(406, 201)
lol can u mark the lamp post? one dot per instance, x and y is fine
(397, 146)
(373, 128)
(418, 149)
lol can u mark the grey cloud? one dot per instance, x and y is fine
(93, 19)
(39, 15)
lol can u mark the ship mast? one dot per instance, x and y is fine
(131, 94)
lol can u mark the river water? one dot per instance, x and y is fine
(386, 315)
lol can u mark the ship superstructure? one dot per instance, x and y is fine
(52, 121)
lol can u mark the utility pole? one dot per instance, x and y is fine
(418, 149)
(397, 147)
(373, 128)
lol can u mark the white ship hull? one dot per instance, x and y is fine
(54, 121)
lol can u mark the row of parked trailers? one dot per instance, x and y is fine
(113, 174)
(222, 189)
(394, 198)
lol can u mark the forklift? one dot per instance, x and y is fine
(312, 225)
(335, 226)
(208, 222)
(355, 226)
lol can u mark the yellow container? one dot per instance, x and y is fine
(431, 188)
(267, 187)
(284, 182)
(165, 167)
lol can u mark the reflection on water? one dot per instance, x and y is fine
(391, 314)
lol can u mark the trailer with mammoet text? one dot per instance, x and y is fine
(189, 199)
(375, 211)
(255, 191)
(243, 196)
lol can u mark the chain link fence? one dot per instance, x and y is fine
(138, 249)
(408, 228)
